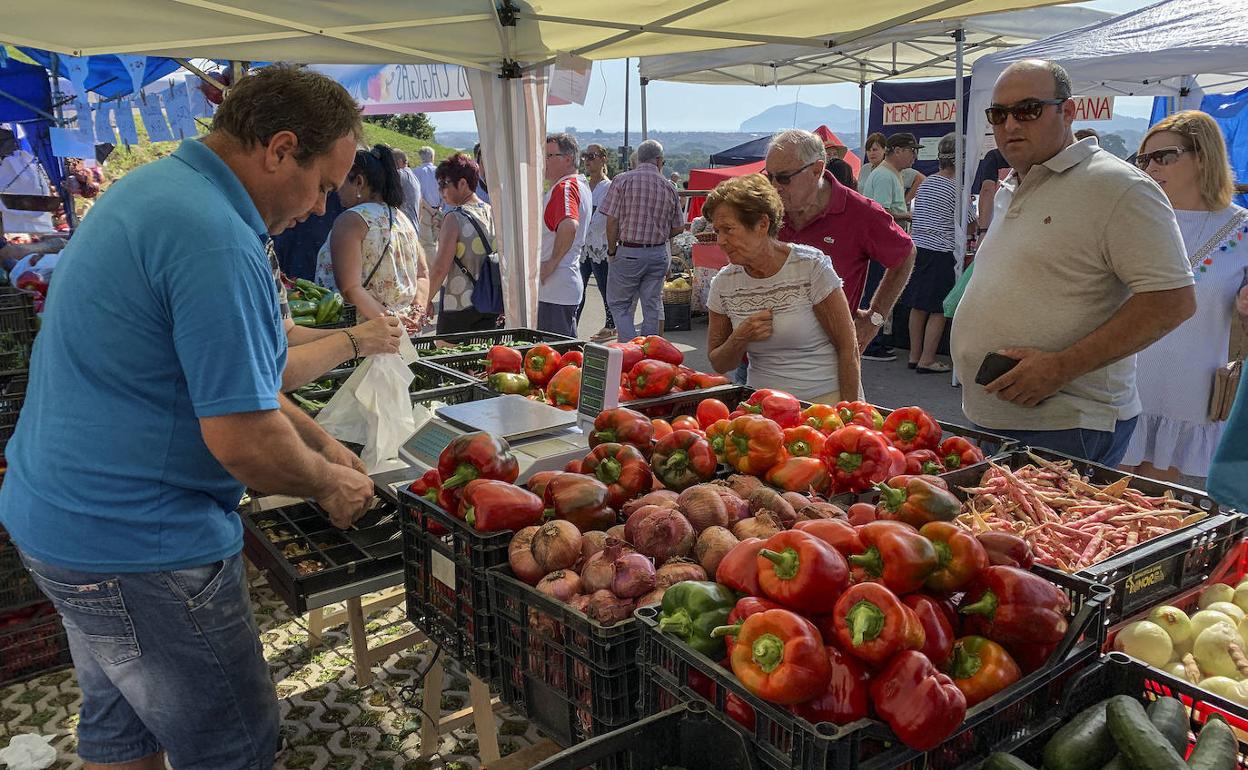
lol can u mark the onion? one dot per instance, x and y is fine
(607, 608)
(598, 571)
(713, 544)
(579, 602)
(744, 485)
(654, 597)
(704, 507)
(591, 543)
(617, 532)
(737, 506)
(763, 525)
(818, 509)
(561, 585)
(664, 498)
(796, 499)
(636, 517)
(1150, 643)
(520, 557)
(662, 534)
(557, 545)
(634, 576)
(768, 499)
(678, 571)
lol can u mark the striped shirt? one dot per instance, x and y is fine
(934, 207)
(645, 204)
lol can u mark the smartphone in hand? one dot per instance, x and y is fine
(993, 366)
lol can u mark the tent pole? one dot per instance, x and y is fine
(862, 112)
(624, 150)
(67, 198)
(959, 133)
(645, 129)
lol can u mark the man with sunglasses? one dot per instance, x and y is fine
(851, 229)
(1084, 268)
(565, 223)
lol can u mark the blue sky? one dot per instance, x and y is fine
(686, 107)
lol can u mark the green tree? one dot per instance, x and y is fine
(415, 124)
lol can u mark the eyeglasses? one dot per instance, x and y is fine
(786, 177)
(1026, 110)
(592, 155)
(1164, 157)
(443, 183)
(550, 155)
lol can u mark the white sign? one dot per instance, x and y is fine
(942, 111)
(136, 67)
(154, 119)
(1094, 107)
(123, 113)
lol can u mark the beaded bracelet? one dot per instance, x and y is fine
(355, 346)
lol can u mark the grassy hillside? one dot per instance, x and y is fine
(374, 134)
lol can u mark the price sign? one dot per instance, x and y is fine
(600, 382)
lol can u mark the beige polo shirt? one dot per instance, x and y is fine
(1083, 232)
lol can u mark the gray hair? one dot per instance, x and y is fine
(807, 145)
(649, 151)
(399, 156)
(566, 142)
(426, 154)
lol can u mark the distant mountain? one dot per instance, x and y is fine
(802, 115)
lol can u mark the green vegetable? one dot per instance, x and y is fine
(304, 320)
(506, 382)
(1142, 745)
(329, 309)
(999, 761)
(307, 404)
(1216, 747)
(1170, 718)
(1146, 641)
(311, 290)
(691, 610)
(1213, 650)
(1083, 743)
(302, 307)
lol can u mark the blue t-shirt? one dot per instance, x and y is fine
(162, 312)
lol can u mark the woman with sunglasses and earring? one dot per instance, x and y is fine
(1186, 156)
(465, 242)
(373, 255)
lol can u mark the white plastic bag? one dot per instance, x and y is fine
(374, 408)
(28, 751)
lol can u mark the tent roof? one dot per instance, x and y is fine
(468, 32)
(756, 149)
(914, 50)
(29, 83)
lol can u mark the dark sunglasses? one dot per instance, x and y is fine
(1164, 157)
(1028, 109)
(592, 155)
(786, 177)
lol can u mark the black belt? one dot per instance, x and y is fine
(630, 245)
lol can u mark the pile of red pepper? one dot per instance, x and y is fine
(654, 367)
(910, 625)
(475, 482)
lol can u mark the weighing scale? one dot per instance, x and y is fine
(542, 437)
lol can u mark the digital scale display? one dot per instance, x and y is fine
(600, 377)
(428, 442)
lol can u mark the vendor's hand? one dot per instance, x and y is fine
(755, 328)
(1037, 376)
(864, 329)
(347, 496)
(1241, 301)
(338, 454)
(380, 335)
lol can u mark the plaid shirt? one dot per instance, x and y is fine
(645, 204)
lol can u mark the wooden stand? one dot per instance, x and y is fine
(480, 711)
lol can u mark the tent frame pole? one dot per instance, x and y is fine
(645, 126)
(959, 133)
(67, 198)
(862, 112)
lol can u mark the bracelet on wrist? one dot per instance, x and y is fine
(355, 345)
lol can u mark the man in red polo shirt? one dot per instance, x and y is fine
(851, 229)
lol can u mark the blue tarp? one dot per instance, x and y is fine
(29, 83)
(748, 152)
(107, 76)
(1231, 113)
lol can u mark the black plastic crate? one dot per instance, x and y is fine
(17, 587)
(448, 596)
(18, 324)
(520, 339)
(472, 365)
(671, 673)
(32, 642)
(688, 736)
(677, 317)
(574, 677)
(1156, 569)
(12, 396)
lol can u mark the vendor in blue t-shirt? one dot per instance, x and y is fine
(154, 397)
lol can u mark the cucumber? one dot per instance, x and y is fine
(999, 761)
(1083, 743)
(1170, 718)
(1142, 745)
(1216, 747)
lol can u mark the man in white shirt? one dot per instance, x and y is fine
(21, 174)
(565, 223)
(430, 214)
(411, 187)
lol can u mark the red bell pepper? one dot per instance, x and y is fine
(540, 364)
(1007, 604)
(981, 668)
(937, 627)
(496, 506)
(738, 569)
(581, 500)
(775, 405)
(1006, 549)
(622, 468)
(917, 500)
(662, 429)
(681, 381)
(564, 389)
(632, 354)
(800, 474)
(711, 411)
(898, 459)
(739, 711)
(920, 704)
(923, 462)
(823, 418)
(801, 571)
(957, 452)
(503, 359)
(476, 456)
(861, 513)
(860, 413)
(573, 466)
(745, 607)
(857, 457)
(659, 349)
(959, 555)
(649, 379)
(911, 428)
(779, 657)
(538, 481)
(872, 624)
(622, 426)
(572, 358)
(847, 697)
(683, 459)
(703, 380)
(687, 422)
(804, 441)
(896, 554)
(717, 435)
(841, 535)
(754, 444)
(427, 486)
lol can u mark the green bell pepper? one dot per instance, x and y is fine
(302, 307)
(329, 309)
(692, 610)
(311, 290)
(304, 320)
(507, 382)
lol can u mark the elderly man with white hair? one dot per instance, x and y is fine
(430, 213)
(643, 213)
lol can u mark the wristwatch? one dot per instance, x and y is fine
(876, 319)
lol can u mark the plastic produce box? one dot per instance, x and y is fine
(574, 677)
(473, 365)
(672, 673)
(521, 339)
(17, 587)
(18, 324)
(32, 642)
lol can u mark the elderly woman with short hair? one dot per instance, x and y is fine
(782, 303)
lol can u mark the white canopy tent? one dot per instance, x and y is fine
(1177, 48)
(511, 43)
